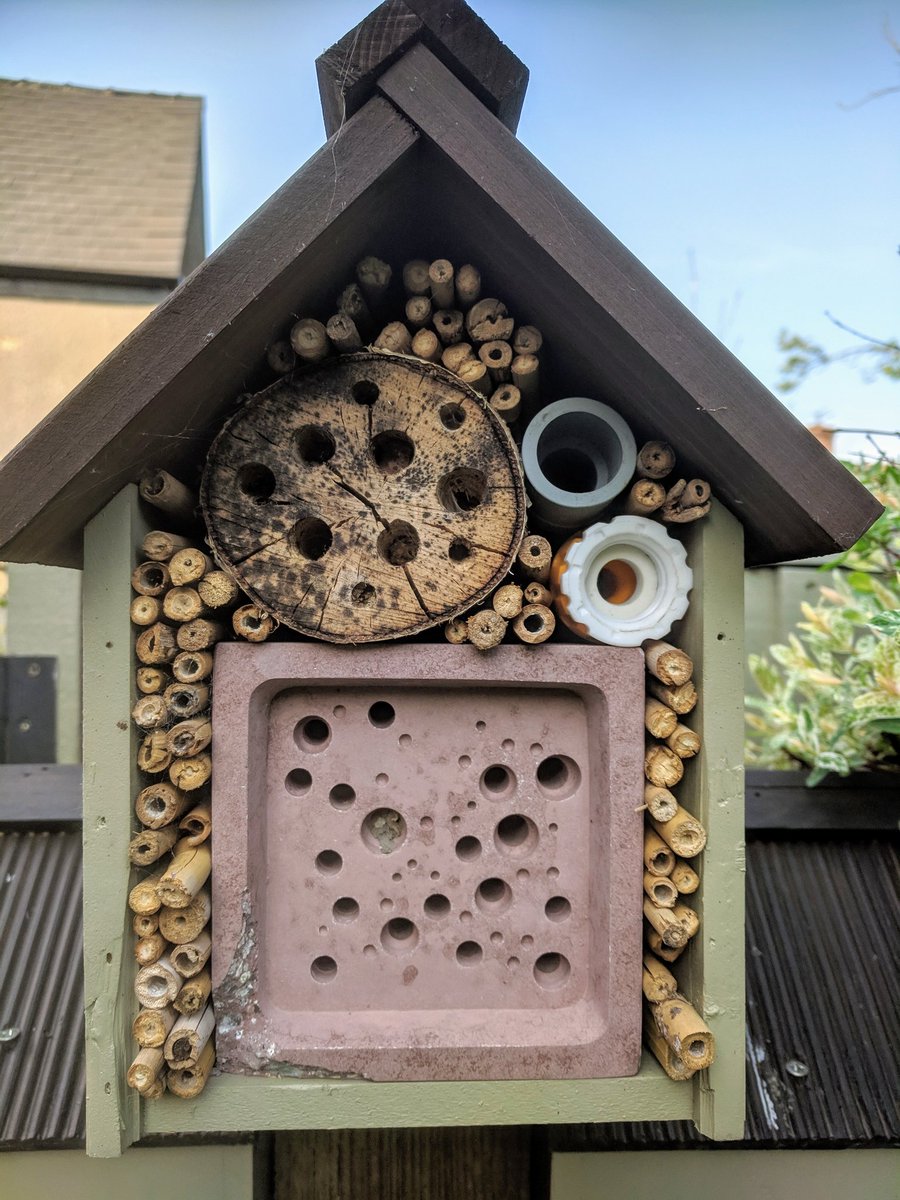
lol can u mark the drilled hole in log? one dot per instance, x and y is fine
(398, 544)
(462, 489)
(365, 392)
(314, 444)
(311, 537)
(452, 416)
(392, 451)
(362, 593)
(459, 550)
(256, 481)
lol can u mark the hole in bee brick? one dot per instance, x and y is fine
(341, 795)
(468, 849)
(399, 936)
(558, 776)
(558, 908)
(298, 781)
(345, 909)
(381, 714)
(497, 782)
(436, 906)
(383, 830)
(312, 734)
(551, 970)
(323, 969)
(493, 896)
(469, 954)
(329, 862)
(516, 836)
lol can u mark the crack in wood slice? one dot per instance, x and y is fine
(367, 498)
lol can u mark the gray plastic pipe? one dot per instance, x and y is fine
(578, 455)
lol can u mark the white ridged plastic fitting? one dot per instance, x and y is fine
(663, 581)
(576, 441)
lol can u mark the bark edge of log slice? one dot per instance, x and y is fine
(366, 498)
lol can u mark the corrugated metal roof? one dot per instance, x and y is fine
(823, 951)
(41, 992)
(96, 181)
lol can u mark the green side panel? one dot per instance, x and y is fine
(110, 784)
(711, 972)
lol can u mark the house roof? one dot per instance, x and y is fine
(96, 182)
(424, 168)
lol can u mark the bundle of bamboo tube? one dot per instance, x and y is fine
(673, 1030)
(677, 503)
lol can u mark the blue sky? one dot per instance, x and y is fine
(723, 141)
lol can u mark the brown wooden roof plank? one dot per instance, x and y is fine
(793, 497)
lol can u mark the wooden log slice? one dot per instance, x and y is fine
(367, 498)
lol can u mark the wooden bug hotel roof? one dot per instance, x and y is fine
(421, 102)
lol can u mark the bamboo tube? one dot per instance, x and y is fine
(144, 924)
(689, 919)
(156, 645)
(685, 1031)
(187, 1037)
(169, 495)
(686, 501)
(199, 634)
(281, 357)
(192, 957)
(661, 890)
(497, 357)
(188, 566)
(142, 899)
(453, 357)
(644, 498)
(448, 325)
(681, 699)
(149, 949)
(194, 993)
(440, 278)
(474, 373)
(145, 610)
(666, 924)
(160, 545)
(655, 460)
(660, 802)
(457, 631)
(486, 629)
(191, 666)
(150, 578)
(418, 312)
(151, 1026)
(534, 557)
(157, 986)
(683, 833)
(143, 1072)
(662, 766)
(659, 721)
(253, 624)
(188, 774)
(660, 949)
(657, 980)
(374, 278)
(159, 805)
(658, 858)
(343, 334)
(415, 277)
(197, 824)
(182, 604)
(671, 1062)
(190, 1082)
(154, 756)
(351, 302)
(309, 340)
(537, 593)
(525, 372)
(685, 742)
(527, 340)
(488, 321)
(182, 925)
(185, 875)
(426, 344)
(534, 624)
(507, 600)
(506, 402)
(394, 337)
(149, 712)
(157, 1088)
(685, 877)
(150, 844)
(667, 663)
(186, 699)
(151, 680)
(468, 285)
(189, 738)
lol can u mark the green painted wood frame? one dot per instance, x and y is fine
(712, 633)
